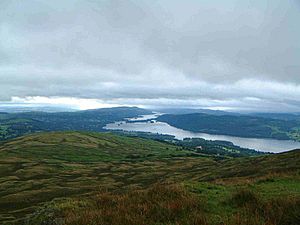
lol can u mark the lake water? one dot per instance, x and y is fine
(265, 145)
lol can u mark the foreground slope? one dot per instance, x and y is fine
(38, 168)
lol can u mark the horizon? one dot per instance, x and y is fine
(28, 107)
(234, 56)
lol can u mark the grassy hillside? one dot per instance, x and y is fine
(80, 178)
(17, 124)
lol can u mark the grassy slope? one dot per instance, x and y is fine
(38, 168)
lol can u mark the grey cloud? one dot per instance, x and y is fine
(175, 50)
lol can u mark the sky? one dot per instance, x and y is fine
(216, 54)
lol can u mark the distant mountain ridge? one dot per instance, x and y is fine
(193, 110)
(10, 108)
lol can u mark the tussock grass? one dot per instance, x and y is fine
(255, 211)
(160, 204)
(245, 197)
(169, 204)
(40, 168)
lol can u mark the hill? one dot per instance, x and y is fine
(236, 125)
(192, 110)
(18, 124)
(55, 176)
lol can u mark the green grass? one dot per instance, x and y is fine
(64, 167)
(224, 199)
(192, 203)
(87, 147)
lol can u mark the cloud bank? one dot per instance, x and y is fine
(236, 55)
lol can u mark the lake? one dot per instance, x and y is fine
(261, 144)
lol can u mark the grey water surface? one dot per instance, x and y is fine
(261, 144)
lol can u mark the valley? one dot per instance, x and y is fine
(154, 126)
(130, 112)
(258, 132)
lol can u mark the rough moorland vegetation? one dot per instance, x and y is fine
(103, 178)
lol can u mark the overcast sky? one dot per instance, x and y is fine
(226, 54)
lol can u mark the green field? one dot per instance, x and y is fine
(88, 178)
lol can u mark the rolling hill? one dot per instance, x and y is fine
(18, 124)
(80, 177)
